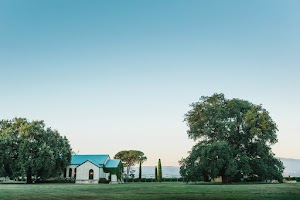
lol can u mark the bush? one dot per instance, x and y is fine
(292, 178)
(56, 180)
(153, 180)
(103, 180)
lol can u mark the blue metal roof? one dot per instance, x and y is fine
(96, 159)
(112, 163)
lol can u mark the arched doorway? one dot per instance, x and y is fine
(91, 174)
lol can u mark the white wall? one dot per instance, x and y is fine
(83, 171)
(73, 169)
(114, 179)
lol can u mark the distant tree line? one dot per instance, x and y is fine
(29, 149)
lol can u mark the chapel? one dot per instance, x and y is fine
(94, 169)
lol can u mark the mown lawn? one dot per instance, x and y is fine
(171, 191)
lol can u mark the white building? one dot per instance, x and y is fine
(92, 168)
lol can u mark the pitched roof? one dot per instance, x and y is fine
(112, 163)
(95, 159)
(89, 162)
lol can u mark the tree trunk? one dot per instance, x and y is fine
(29, 176)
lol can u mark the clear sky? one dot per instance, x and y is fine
(117, 75)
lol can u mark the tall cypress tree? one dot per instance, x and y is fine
(159, 172)
(140, 171)
(155, 174)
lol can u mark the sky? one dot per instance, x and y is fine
(120, 75)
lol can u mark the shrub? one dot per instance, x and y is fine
(103, 180)
(292, 179)
(56, 180)
(153, 180)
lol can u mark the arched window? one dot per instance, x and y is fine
(91, 174)
(65, 173)
(70, 172)
(75, 170)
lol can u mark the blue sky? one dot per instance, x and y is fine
(114, 75)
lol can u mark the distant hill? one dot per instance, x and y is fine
(167, 171)
(292, 168)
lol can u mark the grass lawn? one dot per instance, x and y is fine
(171, 191)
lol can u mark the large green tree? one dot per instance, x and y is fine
(129, 158)
(34, 150)
(234, 141)
(9, 147)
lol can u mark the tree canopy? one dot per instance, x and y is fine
(130, 158)
(234, 139)
(30, 149)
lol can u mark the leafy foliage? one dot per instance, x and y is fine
(208, 160)
(117, 171)
(31, 149)
(234, 138)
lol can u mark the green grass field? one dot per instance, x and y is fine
(172, 191)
